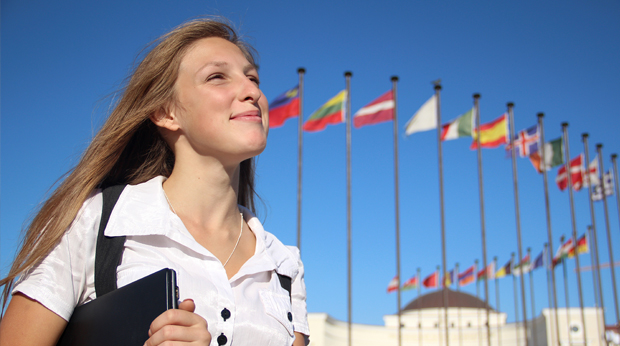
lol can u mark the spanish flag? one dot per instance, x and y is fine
(492, 134)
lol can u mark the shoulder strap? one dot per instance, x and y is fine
(285, 282)
(109, 250)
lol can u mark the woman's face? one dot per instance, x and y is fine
(220, 110)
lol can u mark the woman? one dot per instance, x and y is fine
(183, 136)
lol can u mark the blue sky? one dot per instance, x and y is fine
(62, 62)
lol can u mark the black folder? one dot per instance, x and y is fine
(123, 316)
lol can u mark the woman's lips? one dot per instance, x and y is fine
(247, 116)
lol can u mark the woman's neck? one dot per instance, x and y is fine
(204, 194)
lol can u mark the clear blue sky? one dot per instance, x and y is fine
(63, 61)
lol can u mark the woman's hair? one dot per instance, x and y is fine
(129, 148)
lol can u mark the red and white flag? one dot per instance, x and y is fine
(393, 285)
(379, 110)
(576, 174)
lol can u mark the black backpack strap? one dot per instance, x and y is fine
(109, 250)
(286, 283)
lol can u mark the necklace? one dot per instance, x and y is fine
(235, 248)
(240, 229)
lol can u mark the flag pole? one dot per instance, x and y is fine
(482, 222)
(419, 272)
(394, 80)
(597, 298)
(564, 257)
(442, 212)
(439, 310)
(499, 329)
(515, 181)
(458, 309)
(300, 71)
(515, 290)
(549, 256)
(478, 310)
(531, 275)
(347, 76)
(599, 149)
(592, 228)
(549, 294)
(574, 226)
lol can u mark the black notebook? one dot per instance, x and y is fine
(123, 316)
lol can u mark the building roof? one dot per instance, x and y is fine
(455, 299)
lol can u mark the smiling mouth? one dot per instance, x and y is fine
(252, 115)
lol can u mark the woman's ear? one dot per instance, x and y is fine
(165, 118)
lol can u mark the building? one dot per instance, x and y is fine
(423, 324)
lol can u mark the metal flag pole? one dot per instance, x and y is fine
(419, 272)
(478, 310)
(301, 71)
(442, 213)
(499, 329)
(396, 201)
(552, 323)
(347, 76)
(574, 226)
(458, 309)
(598, 293)
(553, 302)
(599, 149)
(439, 310)
(597, 300)
(482, 222)
(515, 291)
(570, 338)
(515, 184)
(531, 277)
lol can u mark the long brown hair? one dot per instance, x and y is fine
(128, 149)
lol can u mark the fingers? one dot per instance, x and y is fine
(180, 325)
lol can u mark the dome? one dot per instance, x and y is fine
(456, 299)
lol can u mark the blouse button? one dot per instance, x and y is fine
(290, 317)
(222, 339)
(225, 314)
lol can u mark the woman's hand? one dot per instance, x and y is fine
(179, 327)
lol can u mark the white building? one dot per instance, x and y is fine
(423, 324)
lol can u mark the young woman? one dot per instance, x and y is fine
(183, 136)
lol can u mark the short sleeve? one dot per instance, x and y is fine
(298, 296)
(65, 277)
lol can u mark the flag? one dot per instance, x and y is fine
(393, 285)
(505, 270)
(459, 127)
(283, 107)
(526, 141)
(553, 155)
(424, 119)
(379, 110)
(593, 174)
(488, 273)
(539, 261)
(492, 134)
(608, 183)
(448, 279)
(582, 247)
(431, 281)
(522, 267)
(330, 113)
(562, 252)
(468, 276)
(411, 283)
(576, 174)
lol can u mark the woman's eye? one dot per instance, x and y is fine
(215, 76)
(255, 80)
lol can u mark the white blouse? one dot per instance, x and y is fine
(249, 309)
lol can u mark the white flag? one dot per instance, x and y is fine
(592, 174)
(597, 190)
(424, 119)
